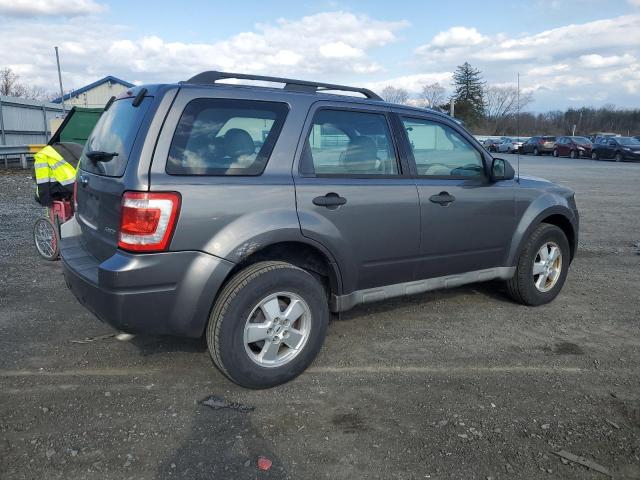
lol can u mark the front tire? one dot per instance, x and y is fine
(594, 156)
(542, 267)
(619, 157)
(573, 154)
(555, 152)
(536, 152)
(268, 324)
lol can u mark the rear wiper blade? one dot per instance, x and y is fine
(100, 156)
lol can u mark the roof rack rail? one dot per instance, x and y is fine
(212, 76)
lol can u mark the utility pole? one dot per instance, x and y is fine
(60, 80)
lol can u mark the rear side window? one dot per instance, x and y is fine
(439, 150)
(115, 132)
(225, 137)
(349, 143)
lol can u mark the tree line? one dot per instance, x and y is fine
(493, 109)
(11, 86)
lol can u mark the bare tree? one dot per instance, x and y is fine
(8, 81)
(11, 86)
(501, 103)
(395, 95)
(433, 95)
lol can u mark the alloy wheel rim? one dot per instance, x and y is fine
(277, 329)
(547, 266)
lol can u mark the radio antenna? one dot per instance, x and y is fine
(518, 126)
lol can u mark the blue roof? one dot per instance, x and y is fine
(106, 79)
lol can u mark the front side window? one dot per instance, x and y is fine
(225, 137)
(439, 150)
(344, 142)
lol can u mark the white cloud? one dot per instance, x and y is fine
(330, 43)
(64, 8)
(607, 35)
(412, 83)
(458, 37)
(634, 3)
(549, 69)
(340, 50)
(598, 61)
(556, 63)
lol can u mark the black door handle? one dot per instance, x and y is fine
(330, 200)
(443, 198)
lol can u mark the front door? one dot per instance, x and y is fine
(354, 197)
(467, 221)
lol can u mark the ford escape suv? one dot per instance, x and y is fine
(249, 213)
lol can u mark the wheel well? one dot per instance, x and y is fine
(563, 224)
(299, 254)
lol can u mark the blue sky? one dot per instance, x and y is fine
(569, 53)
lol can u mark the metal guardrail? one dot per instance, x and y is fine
(20, 153)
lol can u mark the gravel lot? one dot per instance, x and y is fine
(451, 384)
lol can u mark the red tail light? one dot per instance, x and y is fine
(147, 220)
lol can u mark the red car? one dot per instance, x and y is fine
(574, 147)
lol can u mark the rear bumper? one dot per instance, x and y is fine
(162, 293)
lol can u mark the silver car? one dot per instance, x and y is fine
(246, 214)
(511, 145)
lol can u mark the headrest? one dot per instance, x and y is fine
(238, 142)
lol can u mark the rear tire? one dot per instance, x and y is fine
(594, 156)
(536, 152)
(526, 286)
(619, 157)
(254, 304)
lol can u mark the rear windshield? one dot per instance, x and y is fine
(549, 139)
(225, 137)
(114, 133)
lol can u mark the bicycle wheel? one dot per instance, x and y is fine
(46, 239)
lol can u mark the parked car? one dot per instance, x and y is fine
(185, 226)
(510, 145)
(491, 144)
(596, 136)
(574, 147)
(616, 148)
(539, 145)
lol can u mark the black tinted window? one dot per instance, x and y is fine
(114, 133)
(225, 137)
(349, 143)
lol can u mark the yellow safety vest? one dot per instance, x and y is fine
(51, 167)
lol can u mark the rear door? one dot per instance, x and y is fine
(467, 222)
(101, 180)
(354, 196)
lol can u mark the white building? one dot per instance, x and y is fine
(96, 94)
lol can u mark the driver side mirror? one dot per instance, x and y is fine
(501, 170)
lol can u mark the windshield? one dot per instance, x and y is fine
(628, 141)
(581, 140)
(114, 133)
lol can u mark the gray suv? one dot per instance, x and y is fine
(249, 213)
